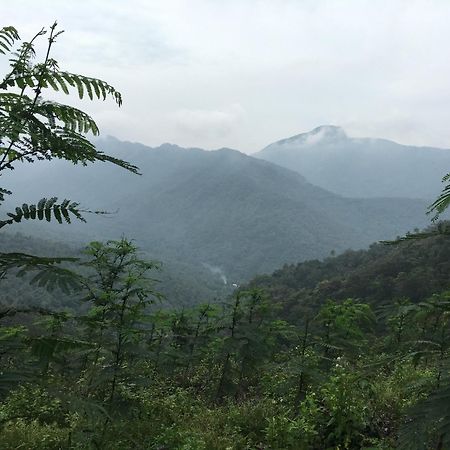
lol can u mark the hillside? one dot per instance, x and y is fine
(179, 283)
(361, 167)
(221, 209)
(379, 276)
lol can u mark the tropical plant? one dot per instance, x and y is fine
(35, 129)
(117, 295)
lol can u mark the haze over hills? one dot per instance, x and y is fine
(380, 275)
(361, 167)
(219, 211)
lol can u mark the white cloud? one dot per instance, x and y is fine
(375, 67)
(208, 123)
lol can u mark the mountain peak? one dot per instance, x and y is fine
(330, 131)
(322, 134)
(363, 167)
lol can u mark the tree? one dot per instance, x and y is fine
(249, 336)
(34, 129)
(117, 294)
(84, 363)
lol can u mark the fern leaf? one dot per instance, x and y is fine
(3, 192)
(50, 79)
(79, 85)
(49, 274)
(93, 86)
(46, 209)
(119, 162)
(88, 85)
(57, 213)
(442, 202)
(62, 82)
(8, 35)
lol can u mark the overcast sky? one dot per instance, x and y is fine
(244, 73)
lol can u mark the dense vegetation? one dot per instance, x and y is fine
(348, 353)
(380, 276)
(180, 283)
(126, 372)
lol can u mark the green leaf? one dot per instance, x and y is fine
(79, 85)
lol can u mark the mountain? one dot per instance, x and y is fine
(361, 167)
(381, 275)
(221, 211)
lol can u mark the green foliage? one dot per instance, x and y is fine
(124, 374)
(253, 372)
(30, 263)
(45, 209)
(33, 435)
(345, 327)
(381, 276)
(180, 283)
(438, 229)
(34, 129)
(123, 371)
(443, 201)
(8, 35)
(428, 422)
(117, 296)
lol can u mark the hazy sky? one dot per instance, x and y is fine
(244, 73)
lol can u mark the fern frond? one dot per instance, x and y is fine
(72, 118)
(8, 35)
(118, 162)
(442, 202)
(3, 192)
(53, 141)
(49, 273)
(45, 209)
(94, 87)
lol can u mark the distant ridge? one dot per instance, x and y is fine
(361, 167)
(220, 208)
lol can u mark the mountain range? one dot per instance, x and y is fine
(219, 212)
(361, 167)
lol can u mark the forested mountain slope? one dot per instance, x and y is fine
(219, 209)
(381, 275)
(361, 167)
(179, 283)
